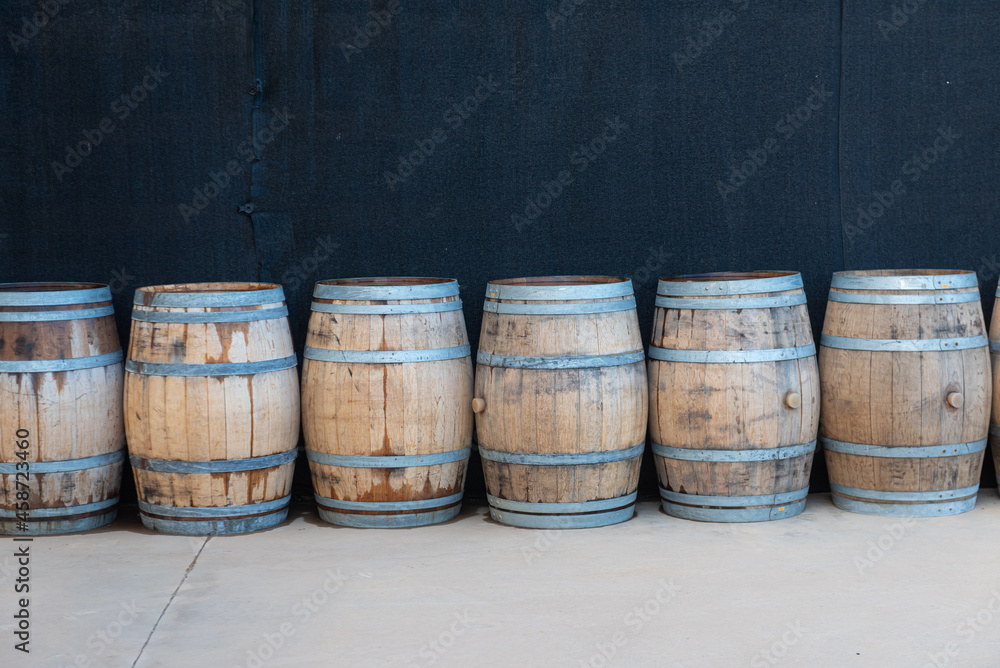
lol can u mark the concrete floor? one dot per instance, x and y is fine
(826, 588)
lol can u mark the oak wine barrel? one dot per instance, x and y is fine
(62, 437)
(561, 401)
(212, 407)
(994, 437)
(906, 389)
(733, 396)
(387, 401)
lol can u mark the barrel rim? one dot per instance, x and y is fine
(904, 279)
(385, 288)
(385, 281)
(560, 288)
(208, 294)
(717, 276)
(724, 283)
(53, 293)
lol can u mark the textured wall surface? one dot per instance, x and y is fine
(152, 142)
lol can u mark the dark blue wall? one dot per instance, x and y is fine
(275, 140)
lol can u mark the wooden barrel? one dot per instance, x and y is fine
(994, 437)
(905, 374)
(62, 437)
(733, 396)
(386, 401)
(561, 401)
(212, 407)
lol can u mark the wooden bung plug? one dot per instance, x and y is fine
(478, 405)
(793, 400)
(955, 399)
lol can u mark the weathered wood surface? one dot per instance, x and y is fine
(211, 418)
(561, 411)
(388, 409)
(901, 398)
(63, 415)
(733, 406)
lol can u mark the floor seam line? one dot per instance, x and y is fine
(164, 611)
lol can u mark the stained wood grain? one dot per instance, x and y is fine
(68, 415)
(388, 409)
(900, 398)
(209, 418)
(733, 406)
(561, 411)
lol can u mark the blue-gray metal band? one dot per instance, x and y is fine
(561, 459)
(879, 495)
(563, 308)
(209, 299)
(904, 451)
(387, 309)
(388, 462)
(215, 512)
(560, 292)
(386, 356)
(995, 346)
(578, 362)
(735, 501)
(903, 345)
(588, 521)
(866, 298)
(62, 466)
(52, 366)
(36, 513)
(214, 316)
(215, 527)
(755, 455)
(53, 297)
(695, 288)
(354, 292)
(561, 508)
(55, 526)
(228, 369)
(768, 506)
(731, 356)
(392, 506)
(48, 316)
(888, 509)
(214, 466)
(396, 521)
(547, 520)
(764, 514)
(725, 303)
(852, 281)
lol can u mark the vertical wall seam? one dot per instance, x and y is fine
(257, 57)
(840, 134)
